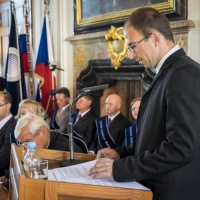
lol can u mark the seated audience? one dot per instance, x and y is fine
(60, 116)
(130, 132)
(7, 125)
(84, 122)
(31, 127)
(25, 106)
(111, 128)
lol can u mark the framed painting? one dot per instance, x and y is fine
(99, 15)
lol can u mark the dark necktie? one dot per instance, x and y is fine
(79, 119)
(109, 121)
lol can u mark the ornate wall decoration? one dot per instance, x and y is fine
(116, 45)
(180, 42)
(80, 59)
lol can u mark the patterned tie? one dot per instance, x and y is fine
(59, 112)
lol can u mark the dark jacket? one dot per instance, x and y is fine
(86, 129)
(168, 140)
(61, 142)
(5, 146)
(60, 123)
(117, 129)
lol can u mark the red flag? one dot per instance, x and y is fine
(47, 80)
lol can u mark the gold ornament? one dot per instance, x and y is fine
(116, 45)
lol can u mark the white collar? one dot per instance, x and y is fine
(113, 116)
(169, 53)
(5, 120)
(64, 107)
(83, 113)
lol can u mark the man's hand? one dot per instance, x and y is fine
(102, 168)
(107, 153)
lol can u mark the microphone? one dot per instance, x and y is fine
(94, 88)
(82, 93)
(86, 90)
(53, 67)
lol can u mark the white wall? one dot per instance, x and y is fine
(61, 25)
(194, 35)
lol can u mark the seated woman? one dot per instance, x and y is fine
(29, 106)
(130, 132)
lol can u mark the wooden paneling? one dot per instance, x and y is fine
(127, 90)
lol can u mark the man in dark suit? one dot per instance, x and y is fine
(111, 128)
(7, 125)
(60, 116)
(165, 157)
(31, 127)
(84, 122)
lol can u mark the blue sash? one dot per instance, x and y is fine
(105, 139)
(53, 123)
(130, 134)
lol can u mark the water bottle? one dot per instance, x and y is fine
(31, 161)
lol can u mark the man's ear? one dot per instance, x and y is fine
(156, 37)
(43, 130)
(8, 106)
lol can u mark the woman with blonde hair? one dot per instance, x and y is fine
(30, 106)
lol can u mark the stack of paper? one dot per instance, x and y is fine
(79, 174)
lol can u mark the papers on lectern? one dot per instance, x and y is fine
(79, 174)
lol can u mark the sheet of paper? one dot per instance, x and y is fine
(79, 174)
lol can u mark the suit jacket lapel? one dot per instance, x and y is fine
(114, 121)
(168, 62)
(84, 118)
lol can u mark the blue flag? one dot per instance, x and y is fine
(14, 75)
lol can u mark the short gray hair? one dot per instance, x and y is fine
(33, 123)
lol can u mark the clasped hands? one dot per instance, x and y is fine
(104, 165)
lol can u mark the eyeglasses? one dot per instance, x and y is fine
(132, 48)
(22, 144)
(3, 104)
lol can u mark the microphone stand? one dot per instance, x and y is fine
(72, 161)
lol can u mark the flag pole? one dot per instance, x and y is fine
(51, 59)
(30, 60)
(17, 42)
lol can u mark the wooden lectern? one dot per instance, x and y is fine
(23, 188)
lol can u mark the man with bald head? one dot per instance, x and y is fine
(111, 128)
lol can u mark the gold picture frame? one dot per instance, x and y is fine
(174, 9)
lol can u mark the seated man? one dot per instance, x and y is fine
(7, 125)
(84, 122)
(31, 127)
(111, 128)
(60, 116)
